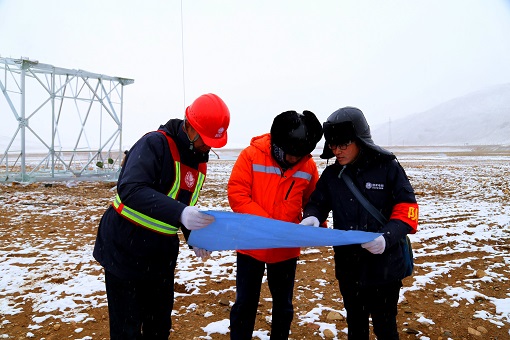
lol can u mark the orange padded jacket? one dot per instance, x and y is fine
(259, 186)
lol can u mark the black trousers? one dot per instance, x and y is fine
(139, 309)
(379, 302)
(280, 279)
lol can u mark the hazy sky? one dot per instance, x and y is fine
(389, 58)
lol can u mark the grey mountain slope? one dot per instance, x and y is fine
(479, 118)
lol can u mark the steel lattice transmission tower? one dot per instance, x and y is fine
(59, 123)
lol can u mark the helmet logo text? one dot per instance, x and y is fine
(220, 132)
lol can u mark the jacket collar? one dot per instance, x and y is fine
(175, 128)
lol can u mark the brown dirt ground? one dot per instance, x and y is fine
(449, 322)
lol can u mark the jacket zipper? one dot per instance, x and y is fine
(288, 192)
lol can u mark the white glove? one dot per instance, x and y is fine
(376, 246)
(193, 219)
(311, 221)
(202, 253)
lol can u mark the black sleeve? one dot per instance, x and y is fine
(402, 192)
(146, 178)
(319, 203)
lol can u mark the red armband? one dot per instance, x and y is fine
(407, 213)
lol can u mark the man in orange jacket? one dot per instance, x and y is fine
(273, 177)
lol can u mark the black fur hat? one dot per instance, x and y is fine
(297, 134)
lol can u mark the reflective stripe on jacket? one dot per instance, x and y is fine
(190, 180)
(259, 186)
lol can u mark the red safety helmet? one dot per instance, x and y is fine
(210, 117)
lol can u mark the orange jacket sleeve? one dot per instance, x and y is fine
(239, 187)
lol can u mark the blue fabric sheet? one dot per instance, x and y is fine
(232, 231)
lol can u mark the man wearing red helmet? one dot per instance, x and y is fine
(273, 177)
(157, 190)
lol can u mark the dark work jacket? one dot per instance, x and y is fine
(130, 251)
(382, 180)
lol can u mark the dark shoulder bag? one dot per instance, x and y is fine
(405, 242)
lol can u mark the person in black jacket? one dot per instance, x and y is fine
(369, 275)
(157, 190)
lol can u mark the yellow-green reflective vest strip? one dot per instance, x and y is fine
(142, 219)
(177, 183)
(200, 182)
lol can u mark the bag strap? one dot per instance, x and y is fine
(362, 199)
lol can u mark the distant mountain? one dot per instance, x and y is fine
(479, 118)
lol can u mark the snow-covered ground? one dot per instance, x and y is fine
(464, 208)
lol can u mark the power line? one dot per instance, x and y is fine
(182, 55)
